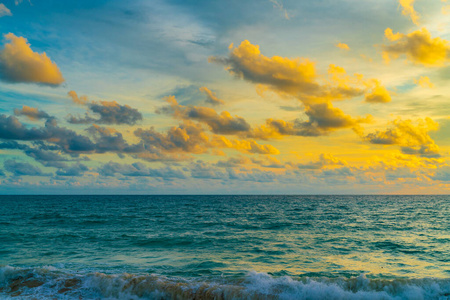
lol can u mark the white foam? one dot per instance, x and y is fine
(254, 286)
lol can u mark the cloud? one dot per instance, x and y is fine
(4, 11)
(110, 112)
(424, 82)
(343, 46)
(378, 94)
(18, 63)
(446, 9)
(46, 157)
(201, 169)
(324, 161)
(12, 129)
(110, 140)
(298, 78)
(442, 173)
(82, 100)
(323, 118)
(211, 97)
(233, 162)
(275, 129)
(279, 5)
(288, 77)
(408, 10)
(32, 113)
(191, 138)
(418, 47)
(247, 146)
(73, 170)
(138, 170)
(22, 169)
(254, 175)
(187, 137)
(222, 123)
(204, 170)
(412, 137)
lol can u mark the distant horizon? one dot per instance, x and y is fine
(118, 195)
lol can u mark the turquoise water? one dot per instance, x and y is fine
(225, 247)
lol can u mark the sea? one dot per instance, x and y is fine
(225, 247)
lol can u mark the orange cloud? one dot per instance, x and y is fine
(342, 46)
(31, 112)
(418, 47)
(18, 63)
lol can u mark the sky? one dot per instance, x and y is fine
(225, 97)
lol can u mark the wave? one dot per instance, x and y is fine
(56, 283)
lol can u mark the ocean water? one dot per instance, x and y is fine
(225, 247)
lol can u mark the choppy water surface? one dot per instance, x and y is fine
(225, 247)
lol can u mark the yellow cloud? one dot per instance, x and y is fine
(323, 119)
(297, 77)
(378, 94)
(211, 97)
(424, 81)
(418, 46)
(18, 63)
(243, 145)
(283, 75)
(408, 10)
(412, 137)
(342, 46)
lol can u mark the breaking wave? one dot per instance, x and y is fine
(58, 283)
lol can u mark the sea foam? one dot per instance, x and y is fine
(51, 282)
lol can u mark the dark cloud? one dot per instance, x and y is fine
(47, 155)
(110, 112)
(222, 123)
(110, 140)
(73, 170)
(187, 137)
(23, 168)
(81, 120)
(12, 129)
(13, 145)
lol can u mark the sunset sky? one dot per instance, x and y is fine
(229, 97)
